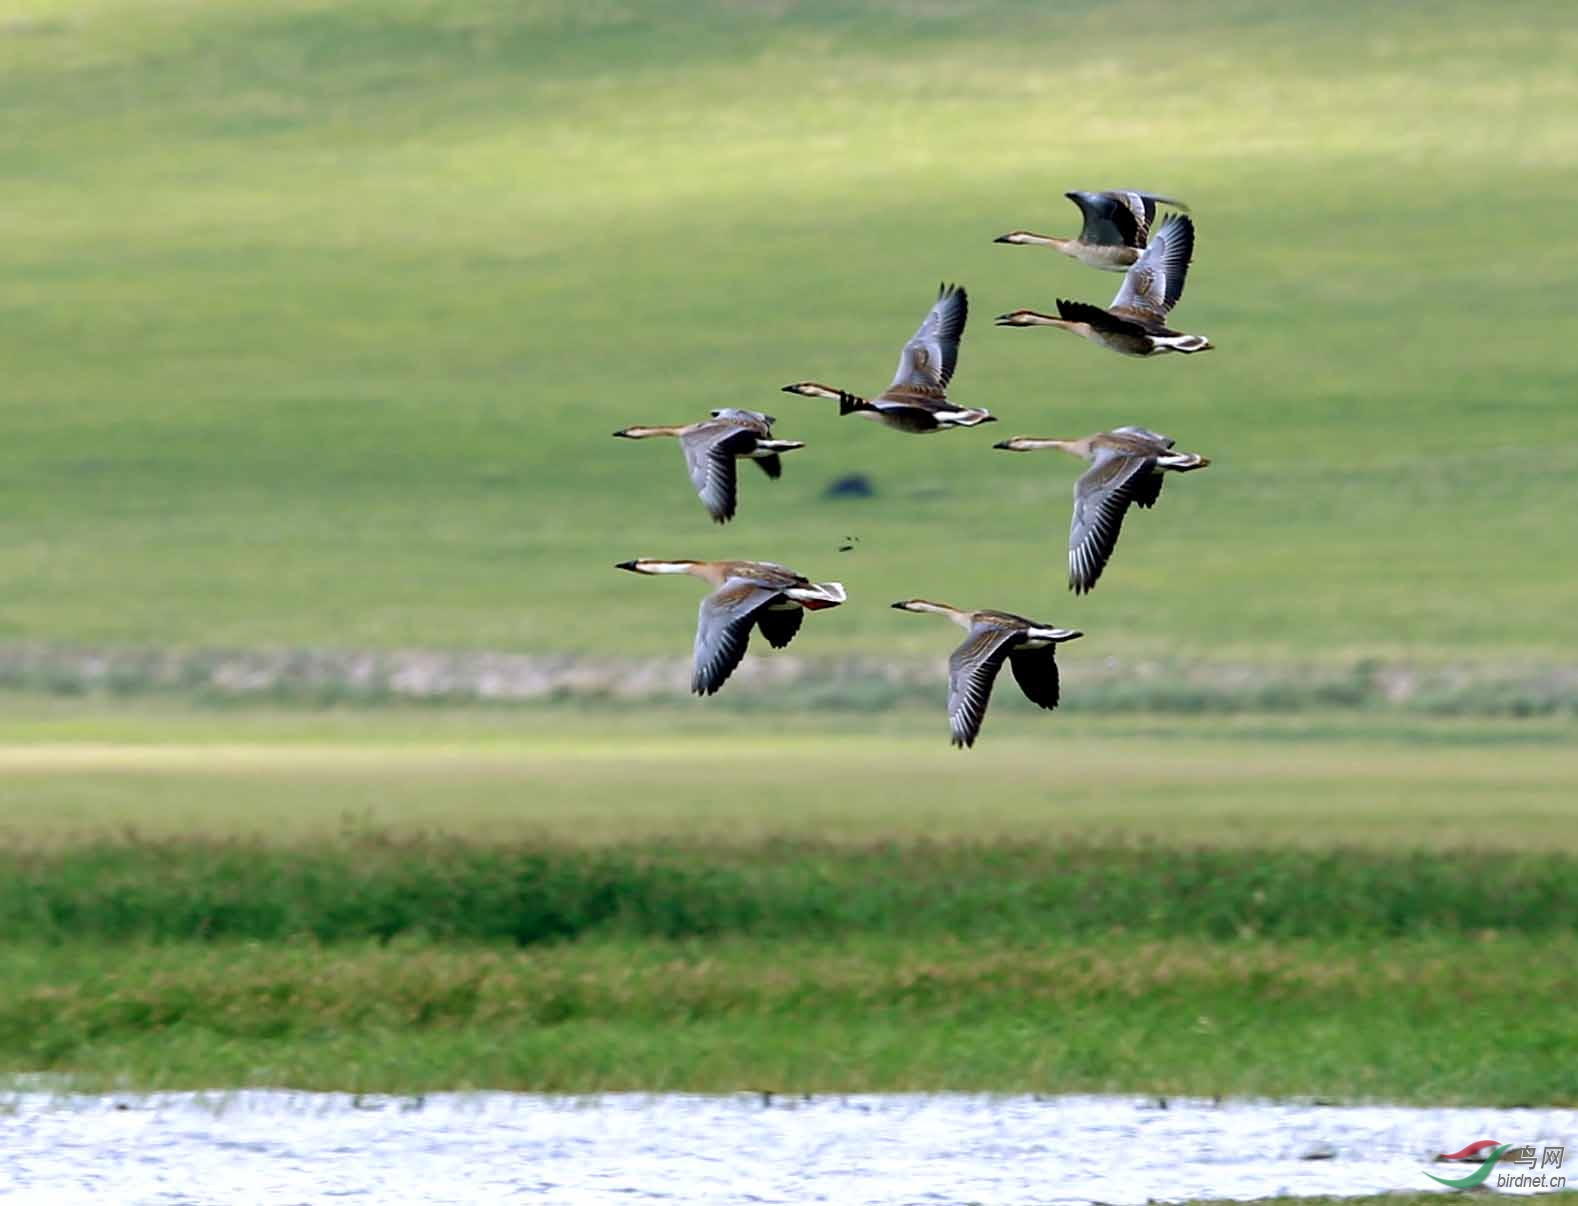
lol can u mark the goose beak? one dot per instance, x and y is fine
(1002, 239)
(904, 606)
(621, 435)
(1003, 320)
(989, 419)
(626, 565)
(1005, 445)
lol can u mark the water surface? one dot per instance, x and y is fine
(270, 1147)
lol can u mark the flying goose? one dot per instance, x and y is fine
(1126, 466)
(762, 593)
(917, 401)
(713, 445)
(1133, 323)
(1029, 646)
(1117, 223)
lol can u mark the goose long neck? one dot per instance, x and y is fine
(1043, 443)
(643, 433)
(1031, 318)
(927, 607)
(815, 389)
(644, 566)
(1029, 238)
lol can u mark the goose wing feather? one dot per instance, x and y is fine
(1035, 670)
(709, 457)
(780, 621)
(1110, 220)
(972, 669)
(928, 359)
(1143, 206)
(1101, 499)
(1154, 282)
(723, 629)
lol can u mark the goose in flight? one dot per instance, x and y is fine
(745, 594)
(713, 445)
(1028, 646)
(917, 401)
(1126, 466)
(1133, 325)
(1117, 223)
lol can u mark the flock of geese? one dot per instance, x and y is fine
(1127, 464)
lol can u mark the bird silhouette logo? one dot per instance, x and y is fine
(1492, 1152)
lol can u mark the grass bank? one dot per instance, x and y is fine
(372, 889)
(403, 899)
(1402, 1021)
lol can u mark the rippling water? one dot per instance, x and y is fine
(296, 1148)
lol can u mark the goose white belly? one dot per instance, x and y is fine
(1105, 256)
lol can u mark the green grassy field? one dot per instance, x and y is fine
(71, 771)
(1403, 1022)
(410, 899)
(317, 317)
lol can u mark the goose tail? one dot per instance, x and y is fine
(818, 595)
(1186, 344)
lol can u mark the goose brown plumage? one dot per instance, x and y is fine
(1028, 646)
(713, 445)
(1117, 223)
(746, 594)
(1127, 465)
(917, 400)
(1133, 324)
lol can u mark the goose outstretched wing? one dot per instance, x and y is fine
(928, 359)
(972, 669)
(1154, 282)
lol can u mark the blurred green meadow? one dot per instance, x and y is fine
(71, 773)
(316, 319)
(408, 899)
